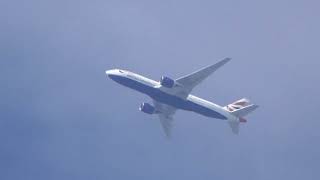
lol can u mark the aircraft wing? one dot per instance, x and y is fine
(165, 113)
(190, 81)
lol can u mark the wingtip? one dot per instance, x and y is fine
(225, 60)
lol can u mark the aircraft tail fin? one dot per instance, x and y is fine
(237, 105)
(240, 109)
(244, 111)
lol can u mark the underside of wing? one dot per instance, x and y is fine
(166, 123)
(193, 79)
(165, 113)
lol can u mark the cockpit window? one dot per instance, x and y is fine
(121, 71)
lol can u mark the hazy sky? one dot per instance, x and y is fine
(62, 119)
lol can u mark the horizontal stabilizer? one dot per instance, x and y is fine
(245, 110)
(234, 126)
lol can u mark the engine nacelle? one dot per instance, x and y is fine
(147, 108)
(167, 82)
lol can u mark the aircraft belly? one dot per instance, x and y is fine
(172, 100)
(185, 104)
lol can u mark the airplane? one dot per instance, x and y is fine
(169, 95)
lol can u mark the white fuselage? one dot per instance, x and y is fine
(167, 95)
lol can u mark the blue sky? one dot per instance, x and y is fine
(61, 118)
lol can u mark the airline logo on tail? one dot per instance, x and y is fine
(239, 109)
(237, 105)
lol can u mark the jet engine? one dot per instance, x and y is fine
(147, 108)
(167, 82)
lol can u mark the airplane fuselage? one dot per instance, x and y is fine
(161, 94)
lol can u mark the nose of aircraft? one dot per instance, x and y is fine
(111, 72)
(108, 72)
